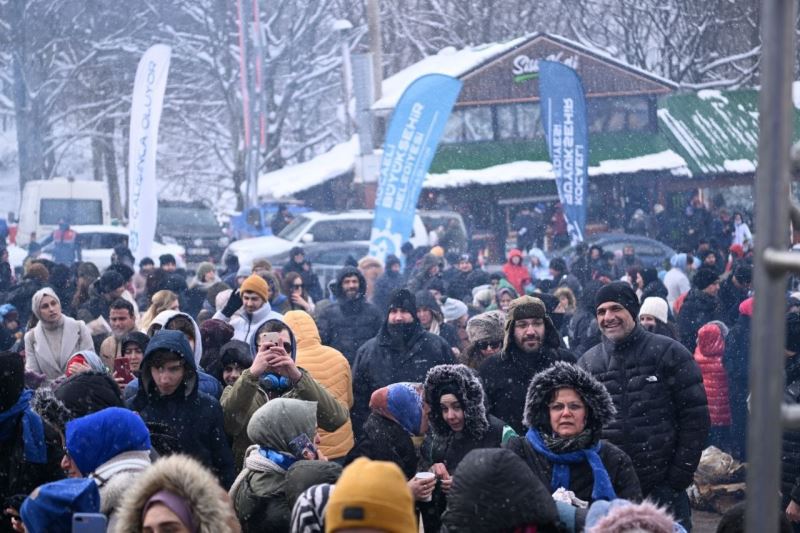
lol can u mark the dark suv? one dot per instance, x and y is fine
(193, 226)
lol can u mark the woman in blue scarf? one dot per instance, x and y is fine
(565, 411)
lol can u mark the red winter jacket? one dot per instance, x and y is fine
(708, 355)
(517, 275)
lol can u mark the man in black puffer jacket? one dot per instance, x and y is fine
(662, 418)
(351, 321)
(531, 344)
(401, 351)
(790, 458)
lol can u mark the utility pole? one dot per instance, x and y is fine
(375, 44)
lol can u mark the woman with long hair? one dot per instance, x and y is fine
(162, 300)
(299, 299)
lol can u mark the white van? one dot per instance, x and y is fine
(45, 202)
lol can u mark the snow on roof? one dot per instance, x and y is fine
(292, 179)
(448, 61)
(543, 170)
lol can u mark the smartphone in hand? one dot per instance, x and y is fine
(302, 447)
(268, 339)
(89, 523)
(122, 369)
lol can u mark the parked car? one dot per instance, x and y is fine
(256, 221)
(315, 227)
(97, 243)
(327, 258)
(651, 253)
(193, 226)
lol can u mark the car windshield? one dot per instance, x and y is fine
(295, 228)
(74, 211)
(186, 216)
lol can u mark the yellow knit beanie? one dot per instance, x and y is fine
(371, 494)
(257, 284)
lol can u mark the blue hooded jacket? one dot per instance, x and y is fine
(94, 439)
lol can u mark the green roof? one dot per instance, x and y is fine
(602, 147)
(716, 132)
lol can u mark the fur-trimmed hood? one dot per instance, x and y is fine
(189, 480)
(566, 375)
(460, 381)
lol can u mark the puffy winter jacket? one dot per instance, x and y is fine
(347, 324)
(331, 370)
(662, 417)
(518, 275)
(708, 354)
(790, 458)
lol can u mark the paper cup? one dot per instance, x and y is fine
(426, 476)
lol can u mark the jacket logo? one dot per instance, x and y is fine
(651, 379)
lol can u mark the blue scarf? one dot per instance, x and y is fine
(602, 489)
(32, 428)
(281, 459)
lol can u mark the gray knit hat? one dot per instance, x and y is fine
(486, 326)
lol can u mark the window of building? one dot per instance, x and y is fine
(519, 121)
(469, 125)
(627, 113)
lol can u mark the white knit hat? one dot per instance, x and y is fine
(655, 306)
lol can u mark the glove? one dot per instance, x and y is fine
(233, 305)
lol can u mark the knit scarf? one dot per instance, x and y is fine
(32, 428)
(602, 489)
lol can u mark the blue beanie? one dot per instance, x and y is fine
(50, 507)
(96, 438)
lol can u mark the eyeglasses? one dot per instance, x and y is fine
(573, 407)
(485, 345)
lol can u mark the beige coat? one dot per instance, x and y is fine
(75, 337)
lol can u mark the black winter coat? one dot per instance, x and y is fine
(581, 480)
(347, 324)
(506, 378)
(730, 297)
(737, 365)
(385, 440)
(790, 458)
(18, 476)
(699, 308)
(379, 363)
(662, 419)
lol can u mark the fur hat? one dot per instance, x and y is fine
(257, 284)
(460, 381)
(703, 278)
(601, 408)
(622, 515)
(655, 306)
(529, 307)
(620, 292)
(190, 481)
(486, 326)
(371, 494)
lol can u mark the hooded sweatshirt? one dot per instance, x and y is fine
(194, 418)
(676, 280)
(331, 370)
(258, 494)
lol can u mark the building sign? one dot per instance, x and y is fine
(526, 68)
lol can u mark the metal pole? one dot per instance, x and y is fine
(772, 214)
(375, 44)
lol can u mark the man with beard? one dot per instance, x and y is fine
(662, 417)
(351, 321)
(402, 351)
(531, 344)
(122, 321)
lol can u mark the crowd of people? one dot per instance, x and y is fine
(422, 392)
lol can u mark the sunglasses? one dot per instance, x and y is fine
(485, 345)
(297, 286)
